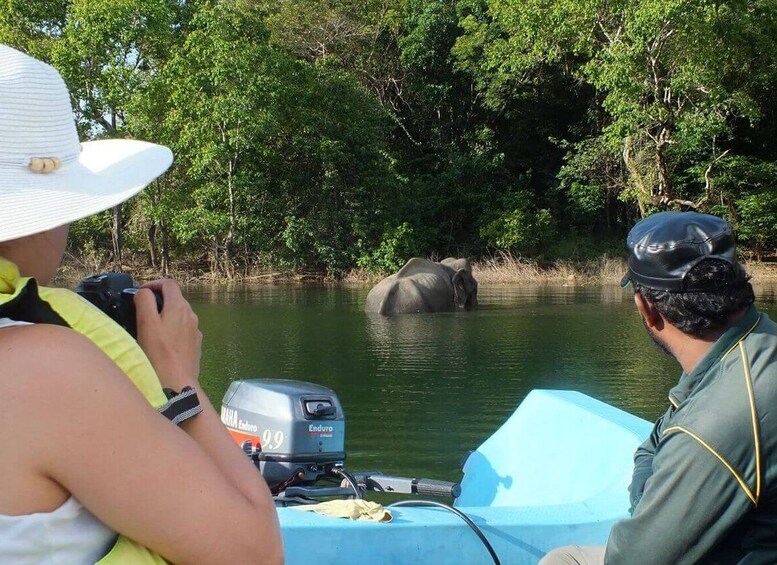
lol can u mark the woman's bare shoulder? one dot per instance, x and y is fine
(41, 359)
(47, 373)
(41, 337)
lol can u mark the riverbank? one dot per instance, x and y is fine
(510, 270)
(499, 270)
(604, 270)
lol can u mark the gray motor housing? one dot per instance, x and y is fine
(299, 426)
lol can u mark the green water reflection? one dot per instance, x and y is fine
(419, 391)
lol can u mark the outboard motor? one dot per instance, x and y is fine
(295, 434)
(294, 431)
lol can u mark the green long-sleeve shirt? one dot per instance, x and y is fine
(704, 488)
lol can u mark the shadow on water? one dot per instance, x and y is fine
(419, 391)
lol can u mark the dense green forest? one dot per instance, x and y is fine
(332, 135)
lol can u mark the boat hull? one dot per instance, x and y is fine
(555, 473)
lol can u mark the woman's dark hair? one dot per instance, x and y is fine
(714, 291)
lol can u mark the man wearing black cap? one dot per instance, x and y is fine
(704, 487)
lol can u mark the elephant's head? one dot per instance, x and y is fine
(465, 287)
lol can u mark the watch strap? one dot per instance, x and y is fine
(181, 405)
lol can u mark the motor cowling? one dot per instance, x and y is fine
(292, 426)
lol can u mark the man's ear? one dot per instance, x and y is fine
(648, 312)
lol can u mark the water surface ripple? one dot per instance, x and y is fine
(419, 391)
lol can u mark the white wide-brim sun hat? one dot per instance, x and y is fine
(48, 178)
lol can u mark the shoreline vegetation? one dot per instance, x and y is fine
(334, 139)
(499, 270)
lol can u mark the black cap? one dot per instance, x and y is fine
(665, 246)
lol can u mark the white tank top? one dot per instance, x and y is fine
(69, 534)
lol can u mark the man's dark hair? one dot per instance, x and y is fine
(715, 290)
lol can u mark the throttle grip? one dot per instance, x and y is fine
(433, 487)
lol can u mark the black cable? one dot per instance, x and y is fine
(350, 479)
(458, 513)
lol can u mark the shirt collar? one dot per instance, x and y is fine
(725, 342)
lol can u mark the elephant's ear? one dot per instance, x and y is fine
(459, 289)
(457, 264)
(465, 289)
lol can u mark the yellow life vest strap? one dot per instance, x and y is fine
(22, 299)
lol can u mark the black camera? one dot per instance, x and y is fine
(114, 294)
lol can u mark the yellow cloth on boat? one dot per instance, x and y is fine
(354, 509)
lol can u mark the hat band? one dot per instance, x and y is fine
(33, 162)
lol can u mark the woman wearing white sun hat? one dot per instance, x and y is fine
(88, 463)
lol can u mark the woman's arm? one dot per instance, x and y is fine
(172, 340)
(82, 424)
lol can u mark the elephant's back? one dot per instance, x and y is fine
(430, 280)
(419, 292)
(423, 292)
(378, 293)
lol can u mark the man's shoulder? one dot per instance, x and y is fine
(731, 402)
(727, 399)
(764, 329)
(754, 360)
(716, 419)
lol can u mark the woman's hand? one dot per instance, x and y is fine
(171, 338)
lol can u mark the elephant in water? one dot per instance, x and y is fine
(425, 286)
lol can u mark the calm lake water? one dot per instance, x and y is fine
(419, 391)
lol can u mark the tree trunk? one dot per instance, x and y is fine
(664, 180)
(152, 244)
(117, 238)
(165, 250)
(232, 226)
(643, 193)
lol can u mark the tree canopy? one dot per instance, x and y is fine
(333, 134)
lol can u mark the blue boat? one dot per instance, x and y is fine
(555, 473)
